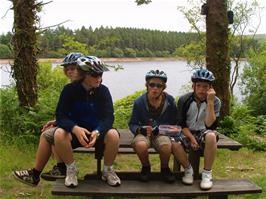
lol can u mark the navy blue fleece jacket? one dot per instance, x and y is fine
(91, 109)
(141, 115)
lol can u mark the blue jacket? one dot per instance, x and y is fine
(91, 109)
(141, 116)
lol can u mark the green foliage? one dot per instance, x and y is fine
(123, 108)
(19, 124)
(71, 45)
(5, 52)
(254, 82)
(245, 128)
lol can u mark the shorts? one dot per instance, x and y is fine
(49, 135)
(156, 142)
(182, 140)
(200, 137)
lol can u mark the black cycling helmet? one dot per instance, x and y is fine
(156, 74)
(71, 58)
(91, 64)
(202, 75)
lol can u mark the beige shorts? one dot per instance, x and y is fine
(155, 142)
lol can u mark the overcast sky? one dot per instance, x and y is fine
(159, 15)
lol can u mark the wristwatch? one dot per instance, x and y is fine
(97, 133)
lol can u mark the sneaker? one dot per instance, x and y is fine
(145, 174)
(111, 178)
(188, 176)
(71, 179)
(27, 177)
(206, 180)
(54, 174)
(167, 175)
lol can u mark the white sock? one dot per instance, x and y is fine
(107, 168)
(71, 165)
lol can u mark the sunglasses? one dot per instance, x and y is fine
(96, 74)
(152, 85)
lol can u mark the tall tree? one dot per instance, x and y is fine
(217, 56)
(25, 67)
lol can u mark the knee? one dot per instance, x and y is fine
(112, 135)
(60, 135)
(210, 137)
(166, 148)
(140, 146)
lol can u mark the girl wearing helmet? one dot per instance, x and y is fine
(150, 110)
(85, 116)
(46, 146)
(198, 112)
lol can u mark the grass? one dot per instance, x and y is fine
(228, 165)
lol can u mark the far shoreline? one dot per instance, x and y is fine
(106, 59)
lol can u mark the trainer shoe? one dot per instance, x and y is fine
(206, 181)
(111, 178)
(27, 177)
(54, 174)
(167, 175)
(71, 179)
(145, 173)
(188, 176)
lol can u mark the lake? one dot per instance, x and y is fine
(132, 78)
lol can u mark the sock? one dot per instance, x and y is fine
(62, 167)
(107, 168)
(189, 167)
(71, 165)
(36, 173)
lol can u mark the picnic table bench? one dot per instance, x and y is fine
(132, 187)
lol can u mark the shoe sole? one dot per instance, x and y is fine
(113, 185)
(71, 186)
(52, 178)
(20, 180)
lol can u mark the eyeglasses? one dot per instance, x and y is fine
(152, 85)
(96, 74)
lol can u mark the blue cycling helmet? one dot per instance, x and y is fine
(202, 75)
(91, 64)
(156, 74)
(71, 58)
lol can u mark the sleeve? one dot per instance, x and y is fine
(62, 110)
(217, 107)
(181, 113)
(134, 122)
(107, 115)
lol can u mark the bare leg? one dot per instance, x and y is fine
(63, 146)
(43, 154)
(180, 154)
(141, 149)
(210, 150)
(165, 153)
(111, 142)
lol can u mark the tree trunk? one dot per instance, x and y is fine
(24, 45)
(217, 57)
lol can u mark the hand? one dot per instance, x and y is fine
(83, 136)
(211, 95)
(149, 131)
(48, 125)
(194, 144)
(93, 139)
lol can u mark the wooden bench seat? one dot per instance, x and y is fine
(156, 188)
(125, 148)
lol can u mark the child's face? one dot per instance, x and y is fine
(71, 72)
(155, 86)
(200, 89)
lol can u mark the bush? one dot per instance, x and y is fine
(19, 123)
(5, 52)
(123, 108)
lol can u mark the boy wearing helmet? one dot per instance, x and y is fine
(150, 110)
(78, 105)
(46, 143)
(85, 116)
(197, 114)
